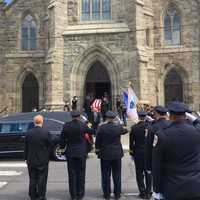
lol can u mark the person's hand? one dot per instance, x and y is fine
(89, 125)
(148, 171)
(149, 119)
(118, 121)
(190, 117)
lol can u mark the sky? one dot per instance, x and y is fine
(8, 1)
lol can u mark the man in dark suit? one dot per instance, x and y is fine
(137, 151)
(37, 146)
(109, 150)
(73, 137)
(176, 158)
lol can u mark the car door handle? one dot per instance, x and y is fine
(23, 137)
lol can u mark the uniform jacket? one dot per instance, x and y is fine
(196, 123)
(95, 118)
(137, 138)
(37, 146)
(108, 141)
(176, 161)
(150, 132)
(73, 137)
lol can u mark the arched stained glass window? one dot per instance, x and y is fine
(85, 10)
(106, 10)
(95, 10)
(28, 34)
(172, 27)
(167, 25)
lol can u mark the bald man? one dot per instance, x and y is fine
(37, 148)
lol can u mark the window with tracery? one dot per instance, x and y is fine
(172, 27)
(28, 34)
(95, 10)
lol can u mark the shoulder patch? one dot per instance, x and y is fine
(155, 140)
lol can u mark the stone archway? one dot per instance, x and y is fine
(97, 81)
(30, 93)
(173, 87)
(85, 62)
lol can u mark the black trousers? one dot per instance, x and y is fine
(38, 181)
(108, 167)
(143, 178)
(76, 175)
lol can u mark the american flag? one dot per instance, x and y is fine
(96, 105)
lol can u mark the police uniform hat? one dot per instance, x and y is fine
(177, 108)
(75, 113)
(111, 114)
(160, 109)
(142, 113)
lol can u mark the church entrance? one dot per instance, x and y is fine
(98, 82)
(30, 94)
(173, 87)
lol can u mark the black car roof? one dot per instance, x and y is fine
(59, 116)
(53, 121)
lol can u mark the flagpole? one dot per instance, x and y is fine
(130, 84)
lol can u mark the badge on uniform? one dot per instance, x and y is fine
(146, 132)
(155, 140)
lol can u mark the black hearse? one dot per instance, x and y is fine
(13, 129)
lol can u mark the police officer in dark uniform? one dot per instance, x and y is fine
(136, 146)
(176, 158)
(73, 137)
(109, 150)
(161, 121)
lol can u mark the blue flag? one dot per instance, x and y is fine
(125, 98)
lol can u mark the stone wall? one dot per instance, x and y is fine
(3, 107)
(130, 46)
(185, 57)
(19, 63)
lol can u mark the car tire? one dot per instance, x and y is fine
(57, 153)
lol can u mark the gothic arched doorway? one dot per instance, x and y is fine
(97, 81)
(173, 87)
(30, 94)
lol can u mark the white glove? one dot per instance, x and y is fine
(118, 120)
(148, 171)
(149, 119)
(190, 117)
(157, 196)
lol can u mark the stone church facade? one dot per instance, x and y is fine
(53, 50)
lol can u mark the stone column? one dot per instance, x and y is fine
(145, 57)
(54, 60)
(4, 100)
